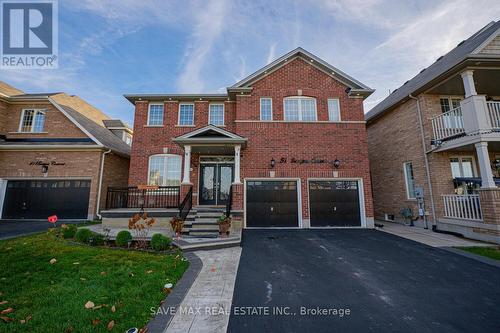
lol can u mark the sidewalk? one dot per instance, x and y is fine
(427, 236)
(207, 305)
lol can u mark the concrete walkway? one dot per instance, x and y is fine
(207, 305)
(427, 236)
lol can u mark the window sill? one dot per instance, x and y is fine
(185, 125)
(153, 125)
(28, 132)
(217, 125)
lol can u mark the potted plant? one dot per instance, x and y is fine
(177, 225)
(224, 223)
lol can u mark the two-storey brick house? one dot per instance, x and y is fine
(57, 154)
(440, 131)
(286, 146)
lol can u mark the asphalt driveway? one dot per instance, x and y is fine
(16, 228)
(387, 283)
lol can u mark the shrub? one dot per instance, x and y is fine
(160, 242)
(83, 235)
(123, 237)
(69, 231)
(97, 239)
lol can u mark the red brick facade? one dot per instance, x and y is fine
(345, 140)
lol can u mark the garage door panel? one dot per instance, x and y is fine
(38, 199)
(334, 203)
(271, 204)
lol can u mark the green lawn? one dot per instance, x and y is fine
(490, 252)
(54, 295)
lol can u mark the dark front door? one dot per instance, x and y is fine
(215, 183)
(334, 203)
(272, 204)
(38, 199)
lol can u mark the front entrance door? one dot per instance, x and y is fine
(215, 183)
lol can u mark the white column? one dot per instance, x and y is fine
(469, 86)
(237, 150)
(484, 165)
(187, 164)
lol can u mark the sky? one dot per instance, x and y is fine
(110, 48)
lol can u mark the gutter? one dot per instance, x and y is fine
(426, 161)
(100, 184)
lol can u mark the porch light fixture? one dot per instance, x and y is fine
(336, 163)
(273, 163)
(45, 169)
(496, 164)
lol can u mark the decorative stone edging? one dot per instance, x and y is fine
(160, 322)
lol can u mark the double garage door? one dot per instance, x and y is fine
(276, 203)
(38, 199)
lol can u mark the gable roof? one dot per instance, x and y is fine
(8, 90)
(334, 72)
(469, 48)
(210, 134)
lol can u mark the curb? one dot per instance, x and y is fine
(161, 321)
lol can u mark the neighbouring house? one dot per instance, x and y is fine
(284, 147)
(440, 131)
(56, 153)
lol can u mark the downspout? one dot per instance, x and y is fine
(426, 161)
(100, 184)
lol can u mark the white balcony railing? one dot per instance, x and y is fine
(448, 124)
(463, 207)
(494, 114)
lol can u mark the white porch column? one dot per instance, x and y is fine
(484, 165)
(469, 86)
(187, 164)
(237, 150)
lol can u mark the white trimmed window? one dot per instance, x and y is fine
(462, 167)
(186, 114)
(216, 114)
(164, 170)
(266, 109)
(155, 114)
(333, 109)
(409, 180)
(449, 103)
(300, 109)
(32, 120)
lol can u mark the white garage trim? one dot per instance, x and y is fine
(299, 201)
(361, 193)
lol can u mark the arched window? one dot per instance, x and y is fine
(164, 170)
(300, 108)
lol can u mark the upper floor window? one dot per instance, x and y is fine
(300, 109)
(266, 109)
(448, 103)
(186, 114)
(216, 114)
(333, 109)
(32, 120)
(164, 170)
(462, 167)
(155, 114)
(409, 180)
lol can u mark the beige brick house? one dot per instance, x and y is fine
(440, 131)
(57, 154)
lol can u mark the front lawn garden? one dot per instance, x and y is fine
(490, 252)
(50, 284)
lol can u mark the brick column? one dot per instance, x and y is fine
(490, 205)
(184, 190)
(237, 197)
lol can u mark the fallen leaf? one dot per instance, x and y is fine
(95, 322)
(83, 279)
(103, 273)
(6, 319)
(4, 302)
(168, 286)
(98, 306)
(69, 329)
(22, 321)
(149, 272)
(8, 310)
(113, 309)
(29, 318)
(110, 325)
(76, 263)
(89, 305)
(53, 261)
(130, 274)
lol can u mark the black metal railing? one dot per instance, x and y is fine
(133, 197)
(186, 204)
(229, 201)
